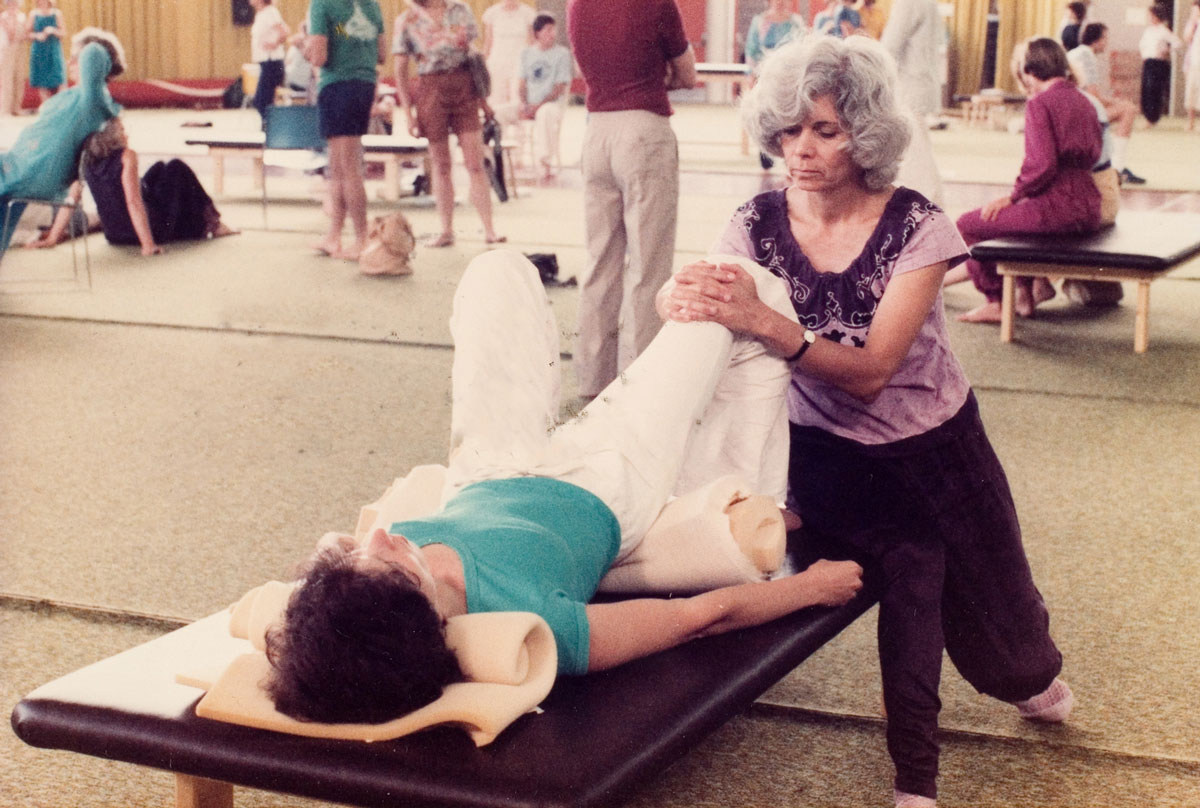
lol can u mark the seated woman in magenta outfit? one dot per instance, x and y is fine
(1054, 193)
(890, 464)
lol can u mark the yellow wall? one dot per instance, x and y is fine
(197, 38)
(169, 39)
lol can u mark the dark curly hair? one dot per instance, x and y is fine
(357, 646)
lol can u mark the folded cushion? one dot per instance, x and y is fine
(508, 658)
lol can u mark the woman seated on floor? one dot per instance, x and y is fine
(168, 204)
(539, 512)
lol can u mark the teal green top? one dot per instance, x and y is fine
(528, 544)
(352, 29)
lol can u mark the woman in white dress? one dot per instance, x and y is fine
(507, 30)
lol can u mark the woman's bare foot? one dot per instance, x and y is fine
(956, 275)
(351, 254)
(494, 239)
(1023, 302)
(441, 240)
(328, 247)
(223, 229)
(987, 313)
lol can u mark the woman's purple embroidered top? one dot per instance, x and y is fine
(912, 233)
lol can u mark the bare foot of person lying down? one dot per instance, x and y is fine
(987, 313)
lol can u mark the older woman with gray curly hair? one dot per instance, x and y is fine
(890, 465)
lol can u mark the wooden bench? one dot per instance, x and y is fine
(1142, 247)
(391, 150)
(599, 735)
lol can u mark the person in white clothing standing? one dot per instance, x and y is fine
(12, 34)
(1155, 46)
(507, 27)
(268, 44)
(914, 35)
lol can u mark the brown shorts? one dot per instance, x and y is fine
(446, 103)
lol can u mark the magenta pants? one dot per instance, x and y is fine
(1053, 212)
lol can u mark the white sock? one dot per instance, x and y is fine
(1120, 144)
(1052, 705)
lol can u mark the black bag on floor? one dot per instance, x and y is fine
(233, 97)
(495, 164)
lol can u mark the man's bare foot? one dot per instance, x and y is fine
(223, 229)
(987, 313)
(328, 247)
(956, 275)
(441, 240)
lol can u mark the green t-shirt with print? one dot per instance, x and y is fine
(352, 29)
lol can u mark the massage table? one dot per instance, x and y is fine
(391, 150)
(1142, 246)
(597, 738)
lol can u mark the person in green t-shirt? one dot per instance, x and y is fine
(346, 41)
(537, 512)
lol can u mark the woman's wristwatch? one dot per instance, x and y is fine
(810, 337)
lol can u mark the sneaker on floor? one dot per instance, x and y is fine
(906, 800)
(1052, 706)
(1133, 179)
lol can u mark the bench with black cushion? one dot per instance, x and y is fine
(1142, 246)
(599, 735)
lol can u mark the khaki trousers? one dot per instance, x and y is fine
(631, 198)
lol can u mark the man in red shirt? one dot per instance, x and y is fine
(631, 52)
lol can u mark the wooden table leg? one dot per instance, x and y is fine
(1007, 297)
(1141, 321)
(391, 178)
(218, 174)
(199, 792)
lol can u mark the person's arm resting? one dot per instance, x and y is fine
(316, 49)
(682, 72)
(627, 630)
(132, 187)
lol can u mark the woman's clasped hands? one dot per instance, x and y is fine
(706, 292)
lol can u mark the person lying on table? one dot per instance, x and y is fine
(536, 513)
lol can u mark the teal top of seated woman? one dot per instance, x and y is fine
(43, 162)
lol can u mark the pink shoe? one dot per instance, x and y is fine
(1051, 706)
(906, 800)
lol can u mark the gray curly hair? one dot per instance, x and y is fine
(860, 77)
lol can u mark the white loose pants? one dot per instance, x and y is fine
(698, 404)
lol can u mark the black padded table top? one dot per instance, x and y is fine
(1143, 240)
(599, 737)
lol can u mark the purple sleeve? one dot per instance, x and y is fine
(1041, 155)
(736, 238)
(670, 30)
